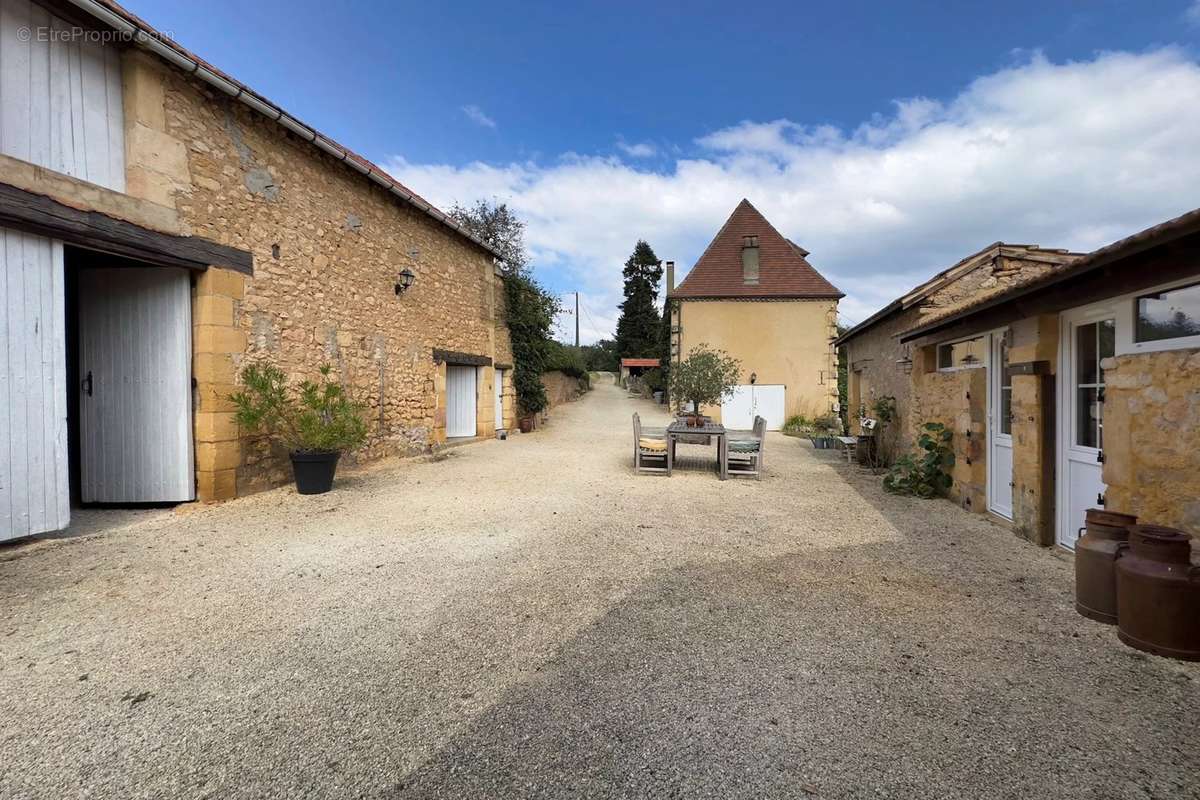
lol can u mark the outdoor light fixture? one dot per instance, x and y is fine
(753, 377)
(404, 281)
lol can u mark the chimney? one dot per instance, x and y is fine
(670, 278)
(750, 260)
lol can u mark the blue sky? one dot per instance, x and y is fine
(876, 134)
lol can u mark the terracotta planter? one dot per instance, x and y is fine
(525, 424)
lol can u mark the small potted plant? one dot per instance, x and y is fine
(705, 377)
(824, 429)
(316, 423)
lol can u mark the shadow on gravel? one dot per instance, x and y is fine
(833, 674)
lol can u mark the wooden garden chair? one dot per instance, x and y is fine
(649, 447)
(744, 451)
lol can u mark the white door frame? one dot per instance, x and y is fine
(1065, 410)
(498, 388)
(457, 378)
(995, 380)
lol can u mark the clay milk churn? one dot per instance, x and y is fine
(1095, 564)
(1158, 593)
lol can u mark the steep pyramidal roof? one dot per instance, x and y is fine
(783, 270)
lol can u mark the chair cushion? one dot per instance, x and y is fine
(743, 446)
(657, 445)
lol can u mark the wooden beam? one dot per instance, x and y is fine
(460, 359)
(39, 214)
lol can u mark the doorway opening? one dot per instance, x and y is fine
(129, 389)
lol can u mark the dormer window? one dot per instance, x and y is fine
(750, 260)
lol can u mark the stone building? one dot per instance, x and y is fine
(754, 295)
(1088, 394)
(880, 366)
(163, 225)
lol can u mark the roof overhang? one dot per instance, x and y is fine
(1120, 267)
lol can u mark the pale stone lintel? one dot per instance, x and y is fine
(90, 197)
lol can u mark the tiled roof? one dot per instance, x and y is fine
(125, 21)
(1054, 257)
(639, 362)
(783, 270)
(1183, 225)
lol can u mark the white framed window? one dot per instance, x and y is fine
(1166, 317)
(963, 354)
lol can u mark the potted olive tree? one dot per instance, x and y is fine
(705, 377)
(316, 423)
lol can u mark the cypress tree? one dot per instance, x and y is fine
(638, 326)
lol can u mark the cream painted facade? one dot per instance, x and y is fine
(779, 341)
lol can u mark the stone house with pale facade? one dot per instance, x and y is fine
(754, 295)
(1077, 389)
(879, 365)
(162, 225)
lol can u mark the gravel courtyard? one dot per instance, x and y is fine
(530, 619)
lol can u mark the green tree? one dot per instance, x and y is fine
(637, 327)
(704, 378)
(601, 356)
(498, 226)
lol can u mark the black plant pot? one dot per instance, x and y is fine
(314, 471)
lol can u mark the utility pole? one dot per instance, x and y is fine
(577, 319)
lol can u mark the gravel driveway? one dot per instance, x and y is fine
(530, 619)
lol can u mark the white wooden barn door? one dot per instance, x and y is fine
(35, 494)
(135, 352)
(460, 401)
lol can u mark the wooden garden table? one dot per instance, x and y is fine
(679, 428)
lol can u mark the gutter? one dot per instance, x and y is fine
(149, 39)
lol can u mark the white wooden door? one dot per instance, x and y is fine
(769, 403)
(135, 355)
(737, 411)
(460, 401)
(35, 495)
(1000, 446)
(1088, 337)
(498, 382)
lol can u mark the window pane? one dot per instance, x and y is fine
(1087, 413)
(1168, 315)
(1085, 354)
(1006, 410)
(961, 354)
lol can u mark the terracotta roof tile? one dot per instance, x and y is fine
(783, 270)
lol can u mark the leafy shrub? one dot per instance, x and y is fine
(654, 379)
(924, 475)
(827, 425)
(318, 418)
(797, 425)
(530, 313)
(567, 360)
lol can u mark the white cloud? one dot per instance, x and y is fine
(476, 115)
(637, 149)
(1064, 155)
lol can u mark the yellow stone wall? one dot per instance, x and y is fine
(328, 244)
(1152, 437)
(782, 342)
(958, 400)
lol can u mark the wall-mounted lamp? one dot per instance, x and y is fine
(404, 281)
(753, 377)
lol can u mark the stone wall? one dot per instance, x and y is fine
(958, 400)
(562, 388)
(875, 373)
(328, 244)
(1152, 437)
